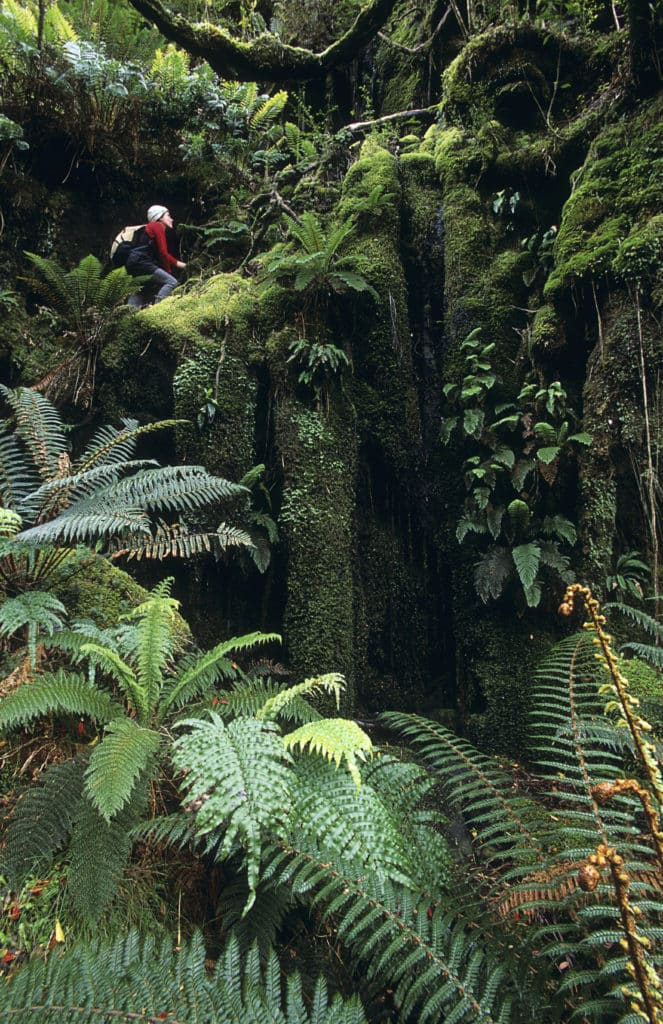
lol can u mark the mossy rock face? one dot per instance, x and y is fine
(318, 454)
(611, 227)
(519, 75)
(92, 587)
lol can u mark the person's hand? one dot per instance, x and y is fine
(181, 265)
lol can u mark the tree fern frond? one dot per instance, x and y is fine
(18, 476)
(172, 489)
(335, 739)
(42, 820)
(238, 775)
(175, 540)
(332, 683)
(111, 446)
(86, 521)
(39, 426)
(56, 692)
(126, 753)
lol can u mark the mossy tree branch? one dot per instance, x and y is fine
(266, 58)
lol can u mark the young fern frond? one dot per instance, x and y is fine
(332, 683)
(335, 739)
(110, 662)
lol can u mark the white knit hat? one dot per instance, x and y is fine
(156, 212)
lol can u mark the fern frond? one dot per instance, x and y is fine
(498, 816)
(110, 662)
(36, 609)
(134, 980)
(171, 489)
(335, 739)
(436, 965)
(18, 476)
(174, 540)
(356, 830)
(56, 692)
(269, 110)
(332, 683)
(111, 446)
(238, 774)
(87, 521)
(201, 673)
(248, 695)
(153, 640)
(39, 426)
(126, 753)
(42, 820)
(646, 622)
(99, 853)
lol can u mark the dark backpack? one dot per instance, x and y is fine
(123, 243)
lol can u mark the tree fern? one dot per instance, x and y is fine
(38, 611)
(144, 980)
(105, 494)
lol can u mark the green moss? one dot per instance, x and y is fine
(316, 521)
(647, 685)
(91, 587)
(611, 224)
(548, 332)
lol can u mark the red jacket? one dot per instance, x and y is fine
(157, 232)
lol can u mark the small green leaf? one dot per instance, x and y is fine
(547, 455)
